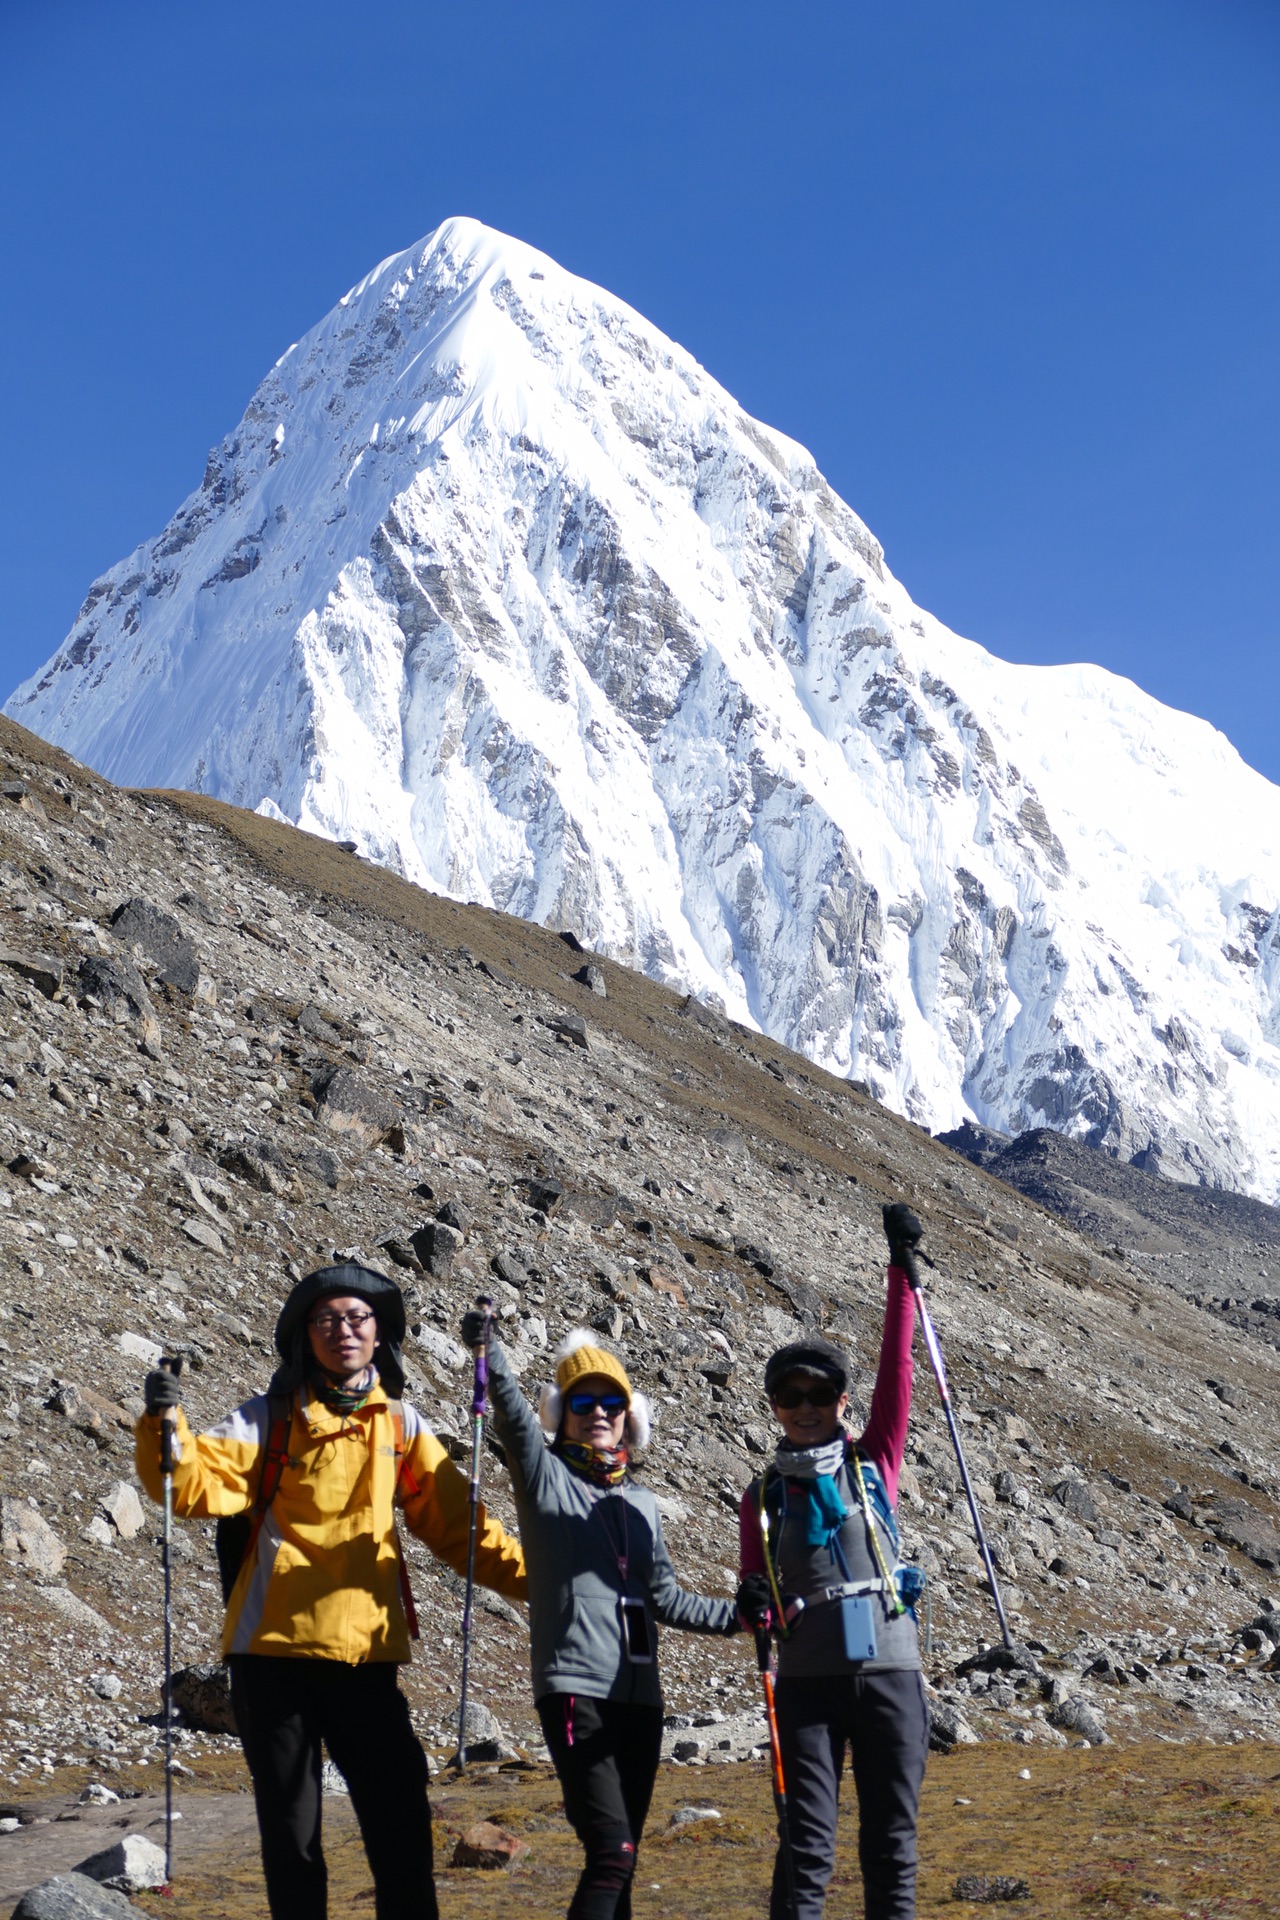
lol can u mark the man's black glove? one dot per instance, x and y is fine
(475, 1328)
(755, 1601)
(903, 1232)
(160, 1390)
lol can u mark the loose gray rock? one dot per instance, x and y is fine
(313, 1023)
(262, 1166)
(509, 1268)
(1074, 1497)
(43, 972)
(1075, 1715)
(27, 1537)
(435, 1246)
(158, 936)
(132, 1864)
(346, 1105)
(202, 1695)
(122, 1507)
(948, 1728)
(591, 976)
(486, 1738)
(117, 988)
(72, 1896)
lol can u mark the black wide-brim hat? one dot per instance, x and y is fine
(806, 1356)
(365, 1283)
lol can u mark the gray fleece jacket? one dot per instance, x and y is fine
(577, 1539)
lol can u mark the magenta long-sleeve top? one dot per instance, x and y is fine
(884, 1438)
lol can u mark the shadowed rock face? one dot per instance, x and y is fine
(495, 582)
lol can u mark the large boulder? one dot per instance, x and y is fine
(71, 1896)
(27, 1537)
(160, 939)
(348, 1106)
(39, 970)
(118, 989)
(202, 1695)
(132, 1864)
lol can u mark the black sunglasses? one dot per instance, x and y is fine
(822, 1393)
(587, 1402)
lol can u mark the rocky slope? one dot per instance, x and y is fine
(279, 1051)
(493, 579)
(1221, 1249)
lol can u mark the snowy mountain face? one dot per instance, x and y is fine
(495, 580)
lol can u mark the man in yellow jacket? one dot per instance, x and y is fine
(316, 1621)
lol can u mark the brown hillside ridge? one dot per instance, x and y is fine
(283, 1053)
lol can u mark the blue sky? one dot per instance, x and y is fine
(1009, 269)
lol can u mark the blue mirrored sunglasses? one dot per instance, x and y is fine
(587, 1402)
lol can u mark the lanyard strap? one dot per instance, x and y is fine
(624, 1558)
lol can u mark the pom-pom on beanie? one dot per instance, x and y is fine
(578, 1358)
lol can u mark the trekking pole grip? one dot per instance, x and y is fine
(170, 1363)
(480, 1354)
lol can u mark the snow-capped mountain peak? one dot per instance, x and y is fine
(494, 579)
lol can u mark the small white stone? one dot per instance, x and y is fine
(139, 1348)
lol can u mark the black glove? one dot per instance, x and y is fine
(903, 1232)
(160, 1390)
(475, 1328)
(754, 1601)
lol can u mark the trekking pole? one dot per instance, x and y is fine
(764, 1660)
(168, 1427)
(909, 1248)
(479, 1388)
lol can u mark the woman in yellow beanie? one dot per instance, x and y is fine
(599, 1581)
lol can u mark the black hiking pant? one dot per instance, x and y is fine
(284, 1709)
(606, 1754)
(883, 1719)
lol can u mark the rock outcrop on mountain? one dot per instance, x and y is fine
(355, 1065)
(497, 583)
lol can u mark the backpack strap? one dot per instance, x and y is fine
(274, 1462)
(406, 1483)
(766, 1521)
(864, 1474)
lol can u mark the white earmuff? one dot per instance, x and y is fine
(639, 1421)
(550, 1408)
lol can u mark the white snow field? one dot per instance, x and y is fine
(496, 581)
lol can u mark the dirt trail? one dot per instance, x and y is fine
(1152, 1829)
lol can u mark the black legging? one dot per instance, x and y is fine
(606, 1753)
(284, 1709)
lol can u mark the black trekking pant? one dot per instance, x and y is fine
(883, 1718)
(284, 1709)
(606, 1753)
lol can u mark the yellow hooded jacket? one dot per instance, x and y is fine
(324, 1581)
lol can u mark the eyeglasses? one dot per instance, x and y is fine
(328, 1324)
(821, 1393)
(610, 1403)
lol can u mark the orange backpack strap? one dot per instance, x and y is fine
(405, 1483)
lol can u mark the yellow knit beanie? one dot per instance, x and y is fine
(585, 1361)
